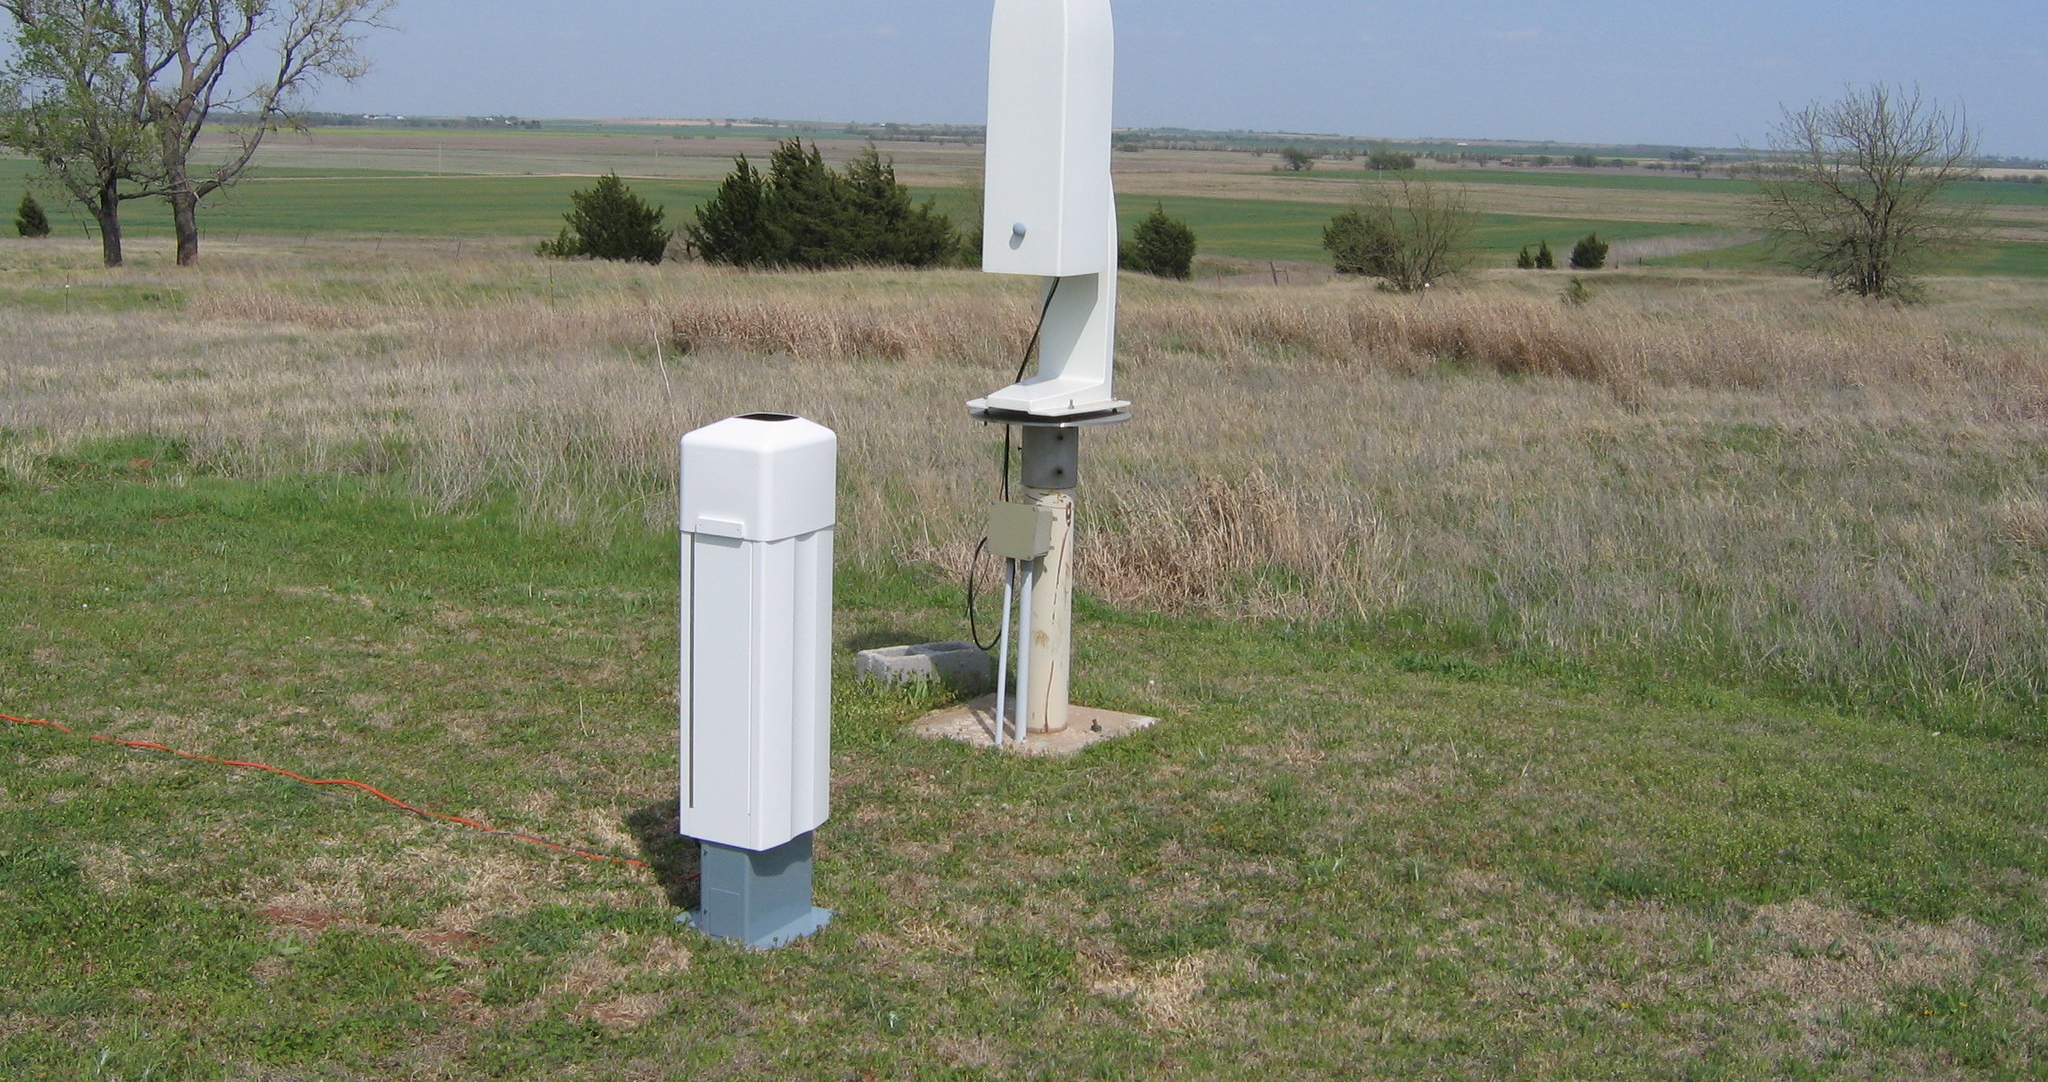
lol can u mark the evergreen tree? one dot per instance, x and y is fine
(1590, 253)
(810, 203)
(1525, 261)
(887, 229)
(803, 214)
(1161, 246)
(609, 222)
(1544, 260)
(30, 221)
(1361, 245)
(736, 226)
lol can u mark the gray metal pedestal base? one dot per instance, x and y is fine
(760, 899)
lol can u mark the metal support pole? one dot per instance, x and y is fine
(1003, 644)
(1024, 697)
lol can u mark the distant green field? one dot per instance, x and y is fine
(1623, 181)
(283, 201)
(2003, 193)
(1265, 229)
(570, 129)
(387, 204)
(438, 206)
(1997, 192)
(2003, 258)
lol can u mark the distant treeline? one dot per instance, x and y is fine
(393, 120)
(1320, 147)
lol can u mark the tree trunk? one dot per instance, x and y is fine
(185, 221)
(106, 210)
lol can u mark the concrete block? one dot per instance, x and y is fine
(959, 666)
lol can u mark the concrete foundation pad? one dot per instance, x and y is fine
(974, 723)
(961, 666)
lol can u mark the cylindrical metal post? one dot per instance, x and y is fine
(1024, 670)
(1003, 644)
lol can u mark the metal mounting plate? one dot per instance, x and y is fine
(1026, 420)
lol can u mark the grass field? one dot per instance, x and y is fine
(1644, 687)
(2007, 258)
(1333, 860)
(497, 206)
(464, 184)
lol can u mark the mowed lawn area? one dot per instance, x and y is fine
(1334, 859)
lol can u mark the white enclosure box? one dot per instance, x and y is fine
(758, 508)
(1051, 77)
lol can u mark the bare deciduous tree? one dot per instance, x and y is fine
(183, 51)
(1855, 193)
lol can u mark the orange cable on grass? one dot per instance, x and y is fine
(373, 791)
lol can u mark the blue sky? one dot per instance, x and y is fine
(1699, 73)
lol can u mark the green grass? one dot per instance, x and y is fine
(2002, 193)
(2004, 258)
(1998, 193)
(1634, 182)
(291, 200)
(394, 205)
(1270, 229)
(512, 206)
(1337, 856)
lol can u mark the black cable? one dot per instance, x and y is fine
(1038, 330)
(973, 626)
(974, 563)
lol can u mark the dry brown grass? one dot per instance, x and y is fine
(1820, 960)
(1723, 466)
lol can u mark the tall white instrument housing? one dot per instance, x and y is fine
(1050, 210)
(758, 506)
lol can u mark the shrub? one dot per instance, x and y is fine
(1590, 253)
(30, 221)
(885, 226)
(610, 222)
(803, 214)
(1359, 244)
(1382, 158)
(735, 226)
(1161, 245)
(1411, 234)
(1544, 260)
(1525, 261)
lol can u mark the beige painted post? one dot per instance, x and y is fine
(1051, 621)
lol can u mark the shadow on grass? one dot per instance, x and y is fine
(673, 858)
